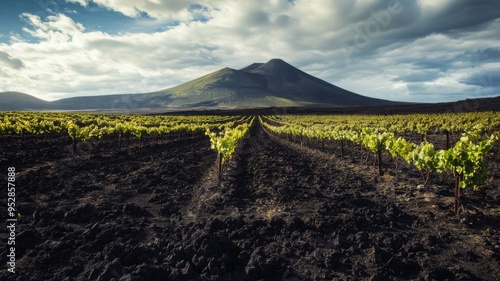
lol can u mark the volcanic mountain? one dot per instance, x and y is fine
(275, 83)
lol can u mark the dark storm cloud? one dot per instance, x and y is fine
(464, 15)
(482, 55)
(396, 21)
(10, 61)
(460, 16)
(419, 76)
(256, 18)
(442, 64)
(486, 79)
(283, 21)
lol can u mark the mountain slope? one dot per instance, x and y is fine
(275, 83)
(20, 101)
(297, 85)
(125, 101)
(226, 87)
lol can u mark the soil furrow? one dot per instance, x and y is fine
(80, 213)
(283, 212)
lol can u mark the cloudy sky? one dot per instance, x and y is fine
(406, 50)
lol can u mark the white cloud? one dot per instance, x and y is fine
(58, 27)
(84, 3)
(160, 9)
(435, 4)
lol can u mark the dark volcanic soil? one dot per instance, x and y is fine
(283, 212)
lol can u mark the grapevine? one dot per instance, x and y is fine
(465, 159)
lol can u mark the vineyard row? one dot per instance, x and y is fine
(465, 159)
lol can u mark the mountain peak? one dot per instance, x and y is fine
(277, 71)
(276, 60)
(277, 64)
(272, 63)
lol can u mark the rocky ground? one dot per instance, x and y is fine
(283, 212)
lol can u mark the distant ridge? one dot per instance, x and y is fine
(271, 84)
(20, 101)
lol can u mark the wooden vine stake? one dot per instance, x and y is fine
(74, 146)
(447, 145)
(219, 168)
(379, 162)
(120, 137)
(341, 148)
